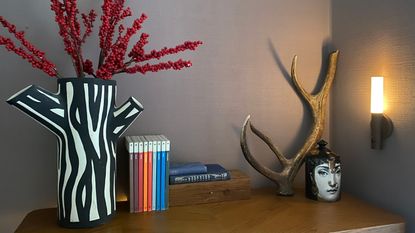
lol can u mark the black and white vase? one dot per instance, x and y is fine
(323, 174)
(83, 116)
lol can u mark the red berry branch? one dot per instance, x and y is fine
(113, 58)
(28, 51)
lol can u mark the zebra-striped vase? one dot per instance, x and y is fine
(83, 116)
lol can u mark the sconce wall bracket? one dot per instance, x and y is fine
(381, 128)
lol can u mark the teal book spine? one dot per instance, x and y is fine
(158, 175)
(163, 175)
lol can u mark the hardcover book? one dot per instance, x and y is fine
(166, 173)
(153, 170)
(130, 148)
(187, 168)
(145, 173)
(149, 174)
(163, 174)
(215, 172)
(140, 174)
(158, 195)
(136, 172)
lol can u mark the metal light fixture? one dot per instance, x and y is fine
(381, 125)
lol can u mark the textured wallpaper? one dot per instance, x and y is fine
(376, 38)
(241, 69)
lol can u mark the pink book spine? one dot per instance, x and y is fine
(150, 180)
(145, 180)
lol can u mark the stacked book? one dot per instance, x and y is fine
(149, 170)
(194, 172)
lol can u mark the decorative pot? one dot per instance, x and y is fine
(83, 116)
(323, 174)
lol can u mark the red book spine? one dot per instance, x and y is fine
(140, 182)
(135, 182)
(150, 180)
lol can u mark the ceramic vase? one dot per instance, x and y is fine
(83, 116)
(323, 174)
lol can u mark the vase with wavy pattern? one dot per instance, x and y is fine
(87, 124)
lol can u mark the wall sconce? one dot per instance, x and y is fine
(381, 125)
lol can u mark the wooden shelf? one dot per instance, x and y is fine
(264, 212)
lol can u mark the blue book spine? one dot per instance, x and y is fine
(215, 172)
(187, 168)
(158, 204)
(166, 181)
(163, 176)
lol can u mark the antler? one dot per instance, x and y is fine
(317, 104)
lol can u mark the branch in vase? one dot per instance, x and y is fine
(28, 51)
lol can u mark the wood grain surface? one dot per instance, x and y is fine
(237, 188)
(264, 212)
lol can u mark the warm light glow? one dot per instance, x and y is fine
(376, 100)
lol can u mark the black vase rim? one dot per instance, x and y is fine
(88, 80)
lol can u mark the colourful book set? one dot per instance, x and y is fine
(149, 172)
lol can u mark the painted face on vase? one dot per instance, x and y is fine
(327, 179)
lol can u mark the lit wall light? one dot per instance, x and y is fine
(381, 125)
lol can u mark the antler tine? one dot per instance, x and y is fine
(331, 72)
(283, 160)
(248, 156)
(318, 107)
(298, 88)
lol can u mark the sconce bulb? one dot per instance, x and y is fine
(380, 124)
(376, 100)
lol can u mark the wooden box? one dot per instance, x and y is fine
(237, 188)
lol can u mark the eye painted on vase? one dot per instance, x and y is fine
(323, 171)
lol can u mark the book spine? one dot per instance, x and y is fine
(135, 176)
(140, 176)
(158, 173)
(154, 189)
(145, 175)
(150, 176)
(130, 148)
(186, 170)
(166, 183)
(163, 175)
(199, 178)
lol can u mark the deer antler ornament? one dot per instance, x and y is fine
(290, 166)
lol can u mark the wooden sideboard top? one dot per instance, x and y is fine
(264, 212)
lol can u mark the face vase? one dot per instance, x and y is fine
(323, 178)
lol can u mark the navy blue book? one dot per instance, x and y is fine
(187, 168)
(215, 172)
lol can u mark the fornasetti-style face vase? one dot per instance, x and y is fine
(323, 174)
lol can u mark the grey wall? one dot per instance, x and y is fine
(376, 38)
(201, 110)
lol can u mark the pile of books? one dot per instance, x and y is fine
(194, 172)
(149, 172)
